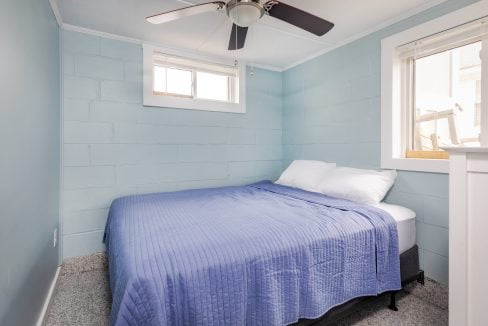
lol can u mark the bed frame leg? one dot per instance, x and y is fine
(421, 278)
(392, 305)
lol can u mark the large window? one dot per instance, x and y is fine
(189, 83)
(434, 90)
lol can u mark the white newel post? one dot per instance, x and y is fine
(468, 237)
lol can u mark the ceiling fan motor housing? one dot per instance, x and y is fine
(244, 12)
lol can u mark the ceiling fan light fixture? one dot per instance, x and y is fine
(244, 13)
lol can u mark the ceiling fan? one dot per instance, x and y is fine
(244, 13)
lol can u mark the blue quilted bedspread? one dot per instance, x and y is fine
(262, 254)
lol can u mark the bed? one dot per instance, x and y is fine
(262, 254)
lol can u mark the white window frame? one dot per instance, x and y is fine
(153, 100)
(393, 117)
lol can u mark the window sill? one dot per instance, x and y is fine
(193, 104)
(419, 165)
(430, 155)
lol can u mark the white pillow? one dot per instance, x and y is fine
(363, 186)
(305, 175)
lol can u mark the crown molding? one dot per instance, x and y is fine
(376, 28)
(56, 12)
(93, 32)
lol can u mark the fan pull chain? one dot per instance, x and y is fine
(237, 33)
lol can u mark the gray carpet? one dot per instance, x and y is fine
(83, 297)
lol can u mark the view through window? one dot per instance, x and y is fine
(192, 79)
(446, 100)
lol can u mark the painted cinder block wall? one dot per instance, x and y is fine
(114, 146)
(331, 112)
(29, 161)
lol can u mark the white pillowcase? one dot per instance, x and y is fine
(305, 175)
(363, 186)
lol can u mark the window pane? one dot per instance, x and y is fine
(447, 99)
(179, 81)
(212, 86)
(159, 79)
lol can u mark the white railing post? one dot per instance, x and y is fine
(484, 93)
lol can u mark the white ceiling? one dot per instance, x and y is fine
(270, 42)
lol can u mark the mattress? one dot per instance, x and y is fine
(405, 220)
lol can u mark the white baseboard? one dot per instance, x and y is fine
(47, 302)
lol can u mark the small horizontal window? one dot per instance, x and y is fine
(187, 83)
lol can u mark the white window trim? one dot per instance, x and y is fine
(392, 126)
(149, 99)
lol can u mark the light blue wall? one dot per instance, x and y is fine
(113, 146)
(29, 162)
(329, 109)
(331, 112)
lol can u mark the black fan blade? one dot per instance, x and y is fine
(185, 12)
(237, 36)
(299, 18)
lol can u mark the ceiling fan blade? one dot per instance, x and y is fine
(184, 12)
(298, 17)
(237, 37)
